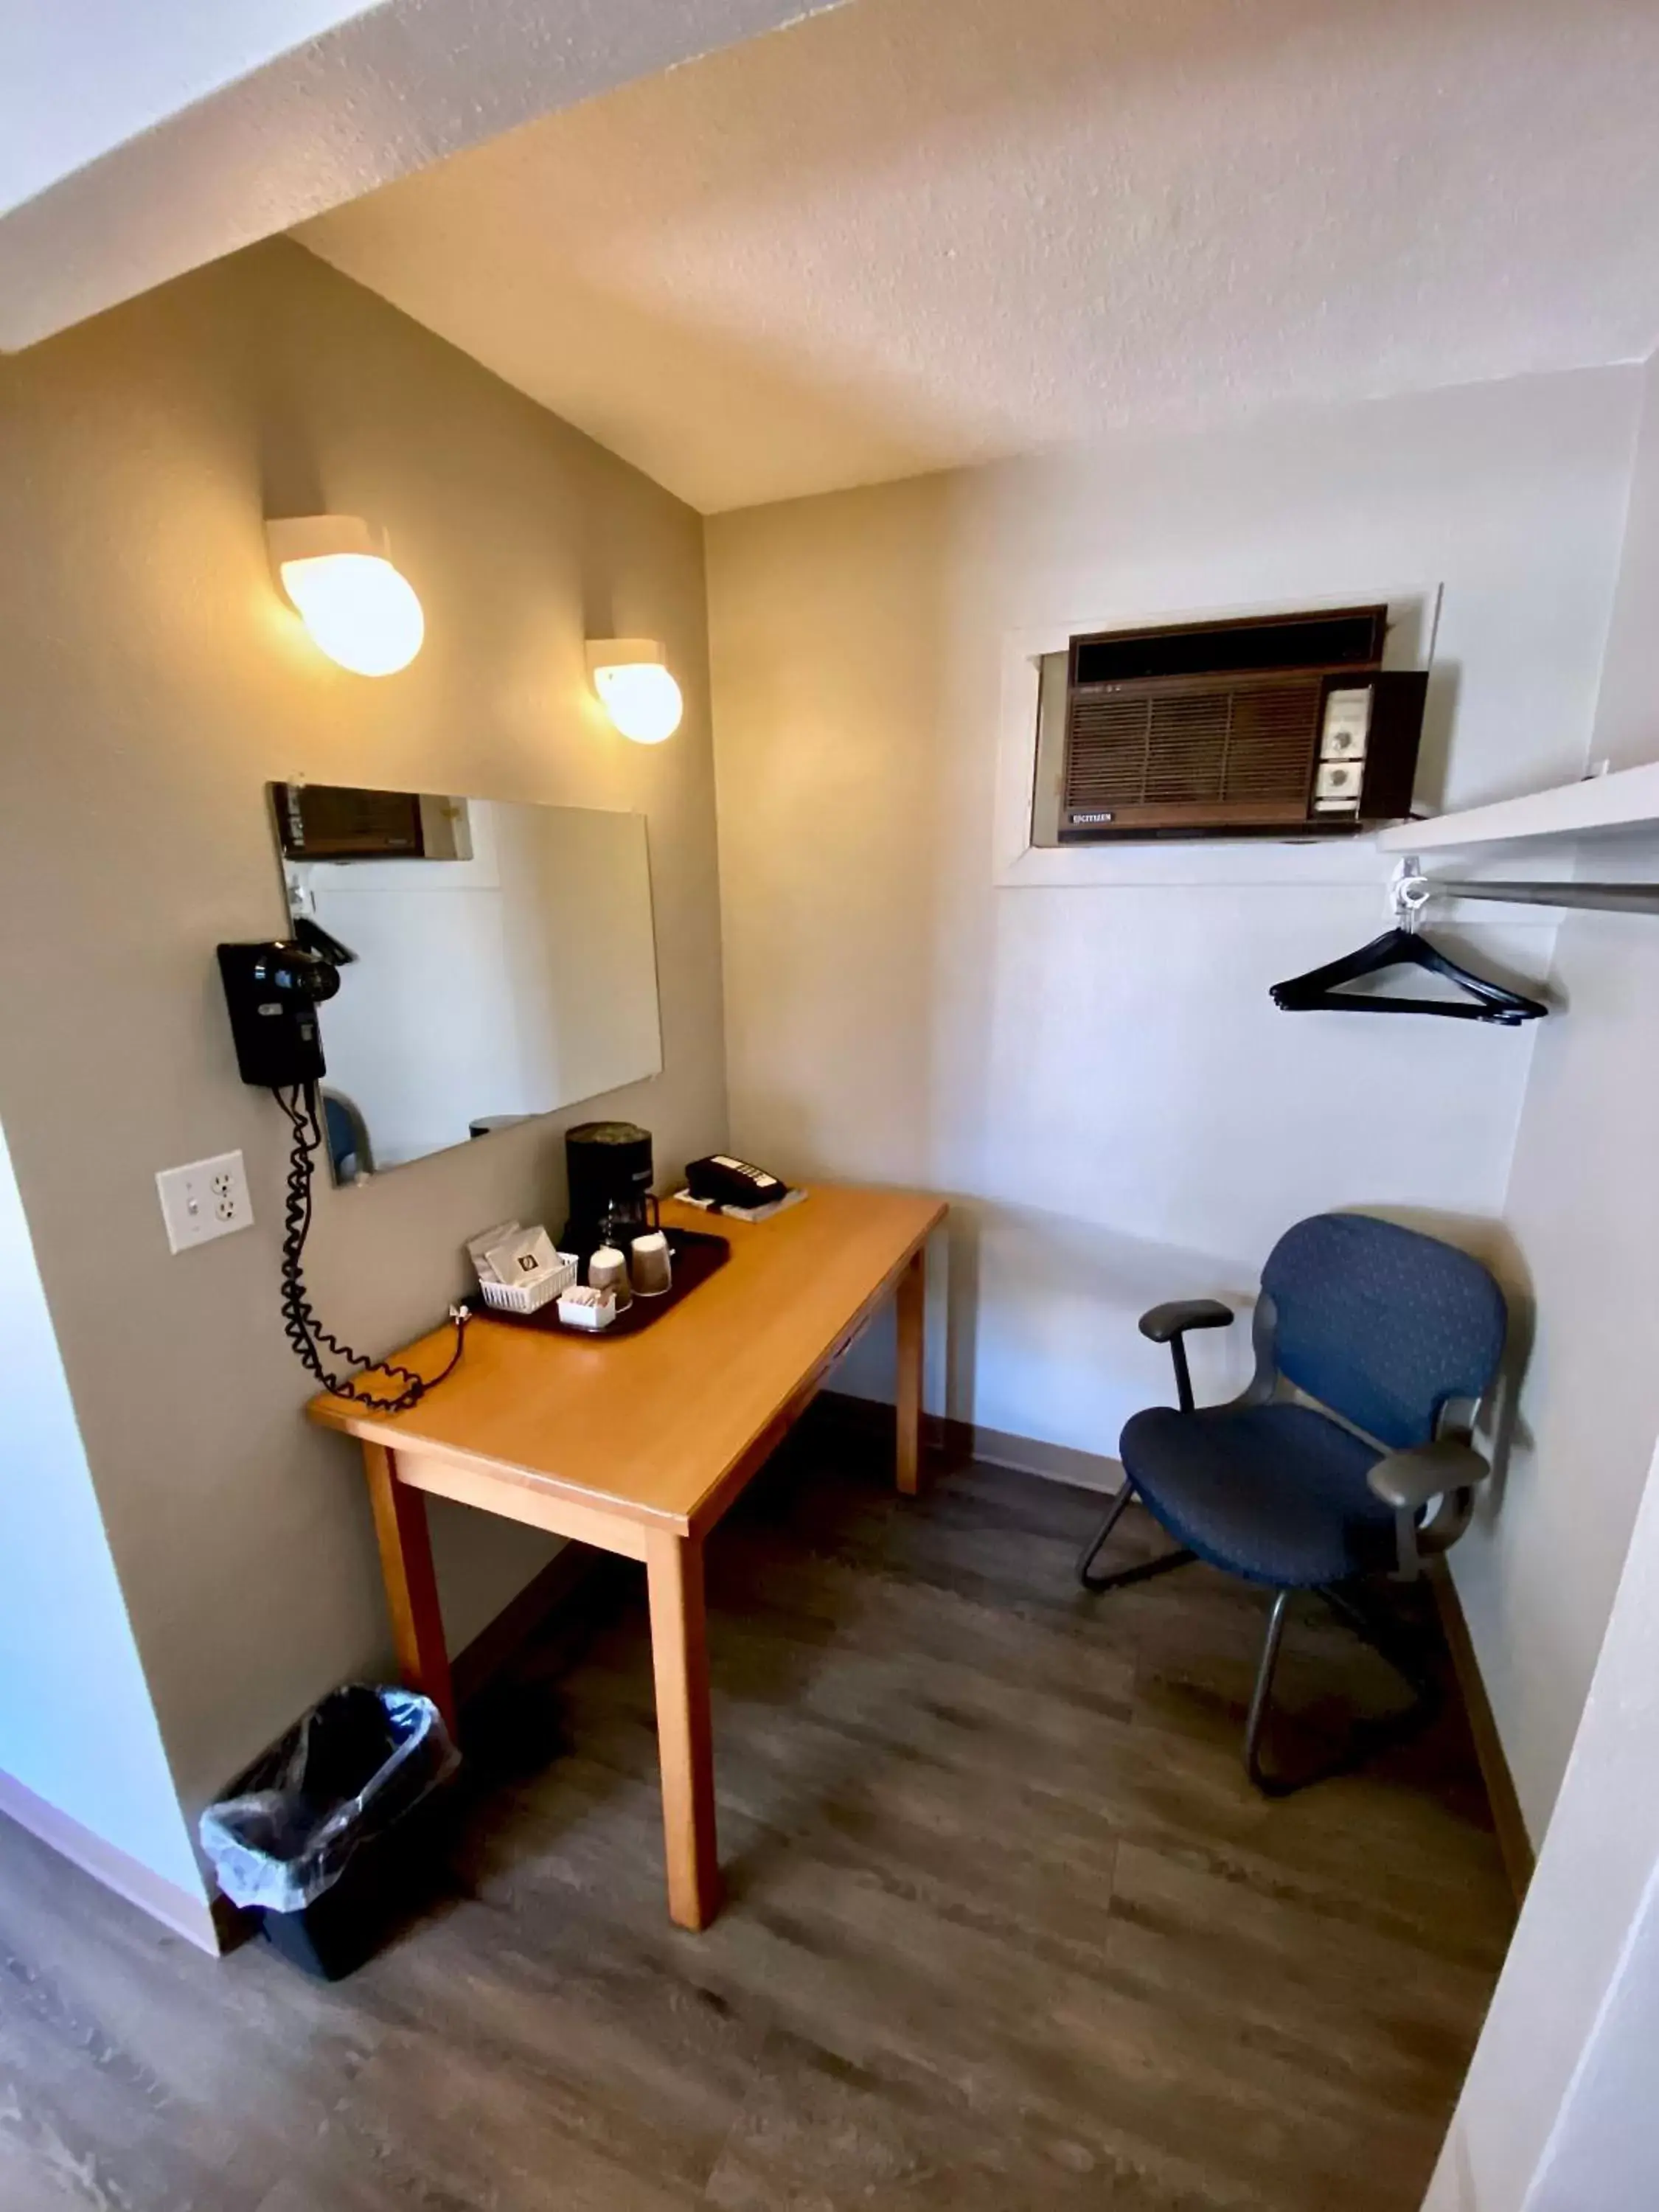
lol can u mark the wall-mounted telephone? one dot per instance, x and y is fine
(272, 991)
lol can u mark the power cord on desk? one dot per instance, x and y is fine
(304, 1332)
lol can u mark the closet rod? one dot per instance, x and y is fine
(1609, 898)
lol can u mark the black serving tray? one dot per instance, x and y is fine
(696, 1257)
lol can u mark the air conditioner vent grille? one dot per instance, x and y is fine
(1188, 745)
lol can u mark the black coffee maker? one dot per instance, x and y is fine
(610, 1170)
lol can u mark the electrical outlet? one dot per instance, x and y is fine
(207, 1199)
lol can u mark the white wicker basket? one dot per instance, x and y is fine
(530, 1298)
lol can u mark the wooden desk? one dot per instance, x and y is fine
(639, 1446)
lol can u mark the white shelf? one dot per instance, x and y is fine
(1621, 801)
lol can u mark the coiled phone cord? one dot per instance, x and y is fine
(304, 1331)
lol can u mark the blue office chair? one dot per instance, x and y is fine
(1348, 1456)
(347, 1133)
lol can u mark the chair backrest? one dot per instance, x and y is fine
(1382, 1324)
(348, 1137)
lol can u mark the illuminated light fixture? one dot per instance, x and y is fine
(358, 609)
(640, 695)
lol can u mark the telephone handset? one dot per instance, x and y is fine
(272, 991)
(720, 1180)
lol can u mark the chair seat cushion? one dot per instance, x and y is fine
(1276, 1494)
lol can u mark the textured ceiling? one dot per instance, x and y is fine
(917, 233)
(155, 137)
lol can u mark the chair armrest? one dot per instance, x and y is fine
(1164, 1321)
(1407, 1480)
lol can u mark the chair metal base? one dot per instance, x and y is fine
(1355, 1610)
(1350, 1605)
(1143, 1573)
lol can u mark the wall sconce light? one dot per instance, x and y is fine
(640, 695)
(358, 609)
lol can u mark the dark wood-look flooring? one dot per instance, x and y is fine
(1007, 1926)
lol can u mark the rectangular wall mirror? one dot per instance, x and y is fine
(504, 962)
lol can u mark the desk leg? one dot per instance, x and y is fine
(912, 1333)
(411, 1586)
(679, 1657)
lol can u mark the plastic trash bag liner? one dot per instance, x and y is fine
(355, 1764)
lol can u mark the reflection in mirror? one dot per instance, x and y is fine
(502, 962)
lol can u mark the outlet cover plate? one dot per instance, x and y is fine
(207, 1199)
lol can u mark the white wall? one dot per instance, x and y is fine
(1627, 711)
(1557, 2114)
(1538, 1572)
(76, 1727)
(1096, 1076)
(1605, 2146)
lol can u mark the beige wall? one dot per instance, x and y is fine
(153, 682)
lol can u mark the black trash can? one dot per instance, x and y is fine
(335, 1835)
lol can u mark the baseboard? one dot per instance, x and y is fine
(501, 1638)
(192, 1918)
(216, 1925)
(1053, 1462)
(958, 1441)
(951, 1442)
(1513, 1841)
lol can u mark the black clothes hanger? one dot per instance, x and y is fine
(1319, 992)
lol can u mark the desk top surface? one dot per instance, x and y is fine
(651, 1424)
